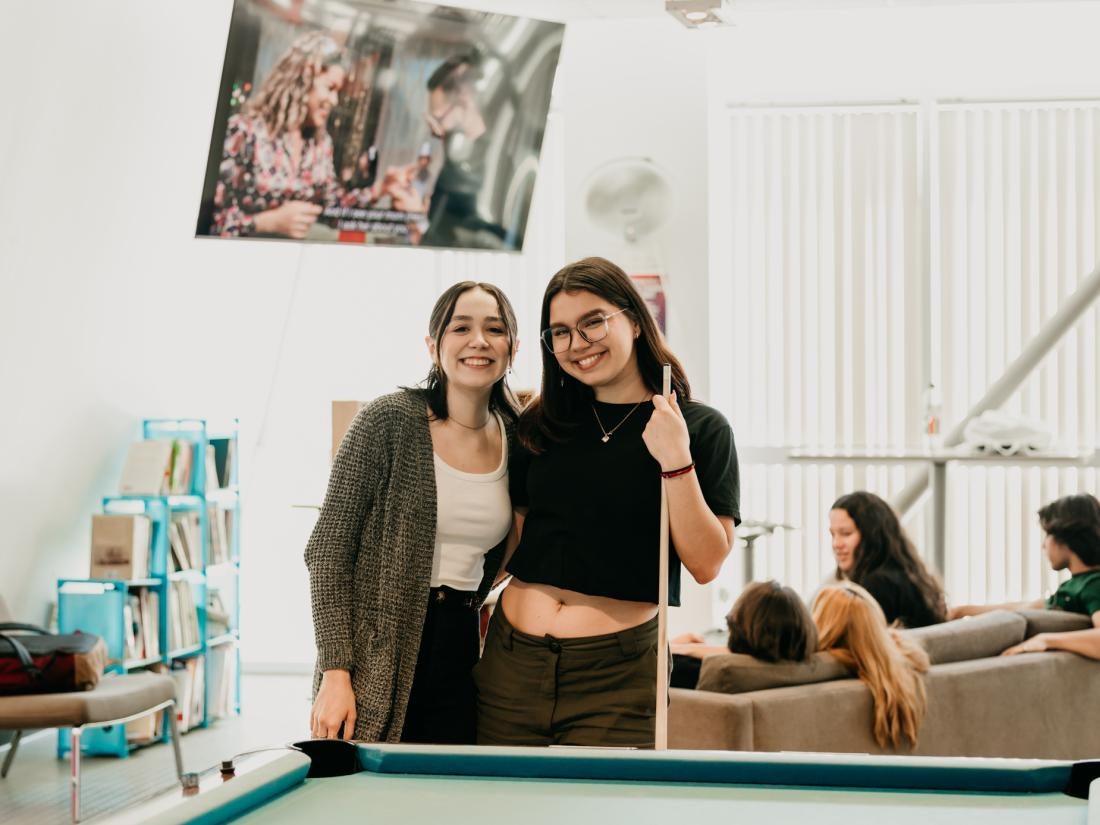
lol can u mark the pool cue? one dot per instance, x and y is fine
(661, 726)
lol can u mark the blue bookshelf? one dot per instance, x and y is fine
(99, 605)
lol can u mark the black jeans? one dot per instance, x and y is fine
(442, 706)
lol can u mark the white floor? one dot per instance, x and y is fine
(275, 710)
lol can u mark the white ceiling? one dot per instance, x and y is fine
(566, 10)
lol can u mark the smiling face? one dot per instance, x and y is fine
(323, 96)
(846, 538)
(473, 351)
(611, 361)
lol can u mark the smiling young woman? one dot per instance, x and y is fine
(571, 653)
(873, 550)
(411, 537)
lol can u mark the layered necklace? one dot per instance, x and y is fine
(608, 433)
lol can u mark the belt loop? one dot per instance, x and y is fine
(505, 628)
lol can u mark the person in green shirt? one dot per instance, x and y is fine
(1071, 527)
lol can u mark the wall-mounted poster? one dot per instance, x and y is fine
(652, 290)
(378, 122)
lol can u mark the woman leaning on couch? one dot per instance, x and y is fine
(852, 627)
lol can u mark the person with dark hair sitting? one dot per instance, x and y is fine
(768, 621)
(874, 551)
(1071, 540)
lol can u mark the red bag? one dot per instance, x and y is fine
(47, 662)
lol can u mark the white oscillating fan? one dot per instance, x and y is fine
(629, 197)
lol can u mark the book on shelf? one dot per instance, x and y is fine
(219, 522)
(158, 467)
(190, 691)
(149, 603)
(140, 624)
(221, 665)
(217, 617)
(131, 631)
(120, 546)
(224, 457)
(148, 468)
(185, 541)
(145, 729)
(149, 728)
(212, 480)
(180, 473)
(183, 617)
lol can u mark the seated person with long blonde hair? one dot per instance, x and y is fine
(852, 627)
(768, 621)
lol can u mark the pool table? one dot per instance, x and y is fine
(332, 782)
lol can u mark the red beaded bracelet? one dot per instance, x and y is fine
(682, 471)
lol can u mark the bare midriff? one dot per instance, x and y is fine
(541, 610)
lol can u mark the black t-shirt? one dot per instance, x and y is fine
(899, 598)
(594, 508)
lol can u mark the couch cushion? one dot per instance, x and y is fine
(1053, 621)
(739, 673)
(975, 637)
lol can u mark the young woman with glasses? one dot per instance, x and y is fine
(571, 653)
(412, 534)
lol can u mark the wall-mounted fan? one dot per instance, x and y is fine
(629, 197)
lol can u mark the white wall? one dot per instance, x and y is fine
(110, 309)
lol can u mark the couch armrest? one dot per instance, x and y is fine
(702, 719)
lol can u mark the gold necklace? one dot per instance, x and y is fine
(608, 433)
(488, 418)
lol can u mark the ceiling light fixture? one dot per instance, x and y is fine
(699, 14)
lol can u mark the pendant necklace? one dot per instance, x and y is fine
(608, 433)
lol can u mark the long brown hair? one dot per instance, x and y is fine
(883, 542)
(852, 627)
(434, 389)
(563, 400)
(771, 622)
(283, 97)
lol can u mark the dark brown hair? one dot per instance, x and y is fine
(884, 543)
(563, 399)
(1075, 522)
(434, 389)
(770, 622)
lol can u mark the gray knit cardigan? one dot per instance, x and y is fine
(370, 559)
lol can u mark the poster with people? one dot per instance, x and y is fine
(378, 122)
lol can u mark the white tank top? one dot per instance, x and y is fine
(473, 515)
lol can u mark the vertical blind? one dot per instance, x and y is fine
(858, 251)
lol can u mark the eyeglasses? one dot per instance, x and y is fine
(591, 329)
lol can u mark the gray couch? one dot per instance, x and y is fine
(1039, 705)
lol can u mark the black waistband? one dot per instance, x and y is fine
(449, 597)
